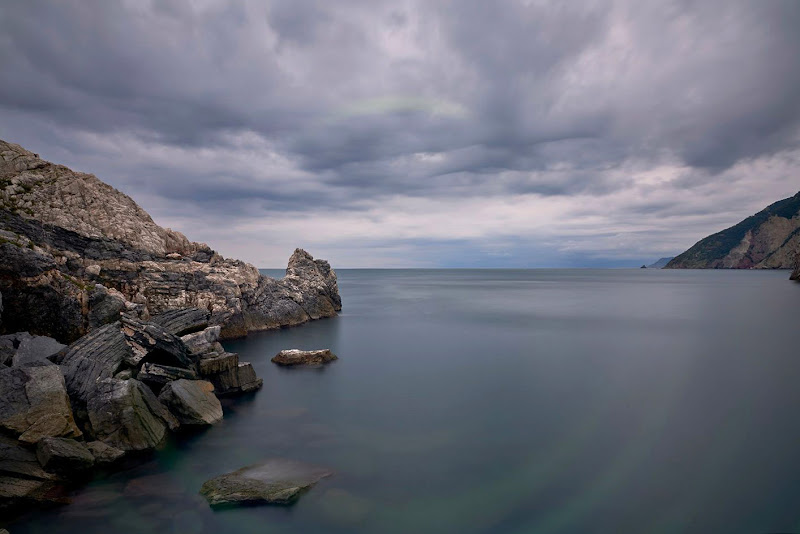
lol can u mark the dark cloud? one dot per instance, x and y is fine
(250, 108)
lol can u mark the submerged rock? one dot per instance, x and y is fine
(192, 402)
(22, 480)
(34, 403)
(276, 481)
(304, 357)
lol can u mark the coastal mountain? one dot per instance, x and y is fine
(660, 264)
(75, 252)
(769, 239)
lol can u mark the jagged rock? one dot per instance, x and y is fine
(234, 380)
(104, 454)
(105, 306)
(181, 322)
(290, 357)
(192, 402)
(34, 403)
(64, 456)
(93, 358)
(276, 481)
(34, 350)
(156, 376)
(126, 415)
(150, 343)
(248, 381)
(316, 284)
(64, 232)
(22, 479)
(203, 342)
(219, 363)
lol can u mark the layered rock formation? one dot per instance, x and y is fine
(75, 252)
(770, 239)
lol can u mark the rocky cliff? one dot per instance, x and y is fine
(770, 239)
(75, 252)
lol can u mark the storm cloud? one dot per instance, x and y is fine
(418, 133)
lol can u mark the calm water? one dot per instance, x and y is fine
(563, 401)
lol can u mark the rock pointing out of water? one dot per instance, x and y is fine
(276, 481)
(304, 357)
(192, 402)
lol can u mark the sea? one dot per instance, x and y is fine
(502, 401)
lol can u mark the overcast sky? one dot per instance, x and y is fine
(417, 134)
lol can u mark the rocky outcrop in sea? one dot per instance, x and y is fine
(110, 327)
(75, 253)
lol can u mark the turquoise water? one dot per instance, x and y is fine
(535, 401)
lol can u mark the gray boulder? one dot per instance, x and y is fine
(291, 357)
(126, 415)
(213, 364)
(34, 350)
(235, 378)
(248, 381)
(104, 454)
(192, 402)
(64, 456)
(204, 342)
(276, 481)
(34, 404)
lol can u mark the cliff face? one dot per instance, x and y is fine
(769, 239)
(75, 252)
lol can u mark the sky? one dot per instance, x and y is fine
(417, 133)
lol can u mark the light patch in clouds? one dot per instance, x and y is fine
(399, 104)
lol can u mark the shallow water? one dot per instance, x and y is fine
(543, 401)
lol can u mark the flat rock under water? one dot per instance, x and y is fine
(275, 481)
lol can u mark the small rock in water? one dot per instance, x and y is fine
(64, 456)
(192, 401)
(276, 481)
(104, 454)
(304, 357)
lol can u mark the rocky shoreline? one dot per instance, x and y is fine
(113, 394)
(75, 252)
(110, 328)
